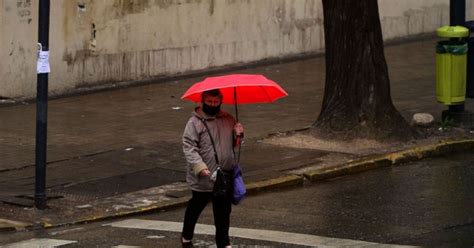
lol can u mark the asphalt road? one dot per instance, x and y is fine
(428, 203)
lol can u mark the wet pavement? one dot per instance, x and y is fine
(113, 120)
(126, 140)
(426, 204)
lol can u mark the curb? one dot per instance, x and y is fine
(286, 181)
(404, 156)
(106, 216)
(274, 183)
(11, 226)
(252, 189)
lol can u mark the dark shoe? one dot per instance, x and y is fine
(187, 244)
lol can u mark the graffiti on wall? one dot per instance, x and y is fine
(24, 10)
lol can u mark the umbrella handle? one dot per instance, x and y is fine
(239, 137)
(235, 105)
(239, 140)
(238, 154)
(239, 144)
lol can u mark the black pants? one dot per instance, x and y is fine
(221, 207)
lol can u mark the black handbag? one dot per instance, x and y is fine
(223, 184)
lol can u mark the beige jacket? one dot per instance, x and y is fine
(198, 151)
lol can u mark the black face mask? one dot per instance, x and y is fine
(210, 110)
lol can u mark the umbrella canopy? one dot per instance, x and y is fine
(238, 89)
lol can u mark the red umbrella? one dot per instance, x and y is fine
(248, 87)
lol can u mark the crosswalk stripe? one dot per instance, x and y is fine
(126, 246)
(35, 243)
(254, 234)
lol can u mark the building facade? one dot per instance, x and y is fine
(98, 42)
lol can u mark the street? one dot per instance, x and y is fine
(427, 203)
(351, 135)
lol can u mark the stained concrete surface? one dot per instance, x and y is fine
(89, 136)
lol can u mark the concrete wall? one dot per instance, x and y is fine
(96, 42)
(18, 48)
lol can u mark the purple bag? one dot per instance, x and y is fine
(239, 186)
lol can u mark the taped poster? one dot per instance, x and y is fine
(43, 62)
(42, 65)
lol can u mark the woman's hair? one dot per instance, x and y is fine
(214, 92)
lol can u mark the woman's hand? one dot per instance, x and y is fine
(205, 173)
(238, 129)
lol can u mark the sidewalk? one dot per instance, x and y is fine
(118, 152)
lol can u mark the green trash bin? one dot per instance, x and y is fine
(451, 65)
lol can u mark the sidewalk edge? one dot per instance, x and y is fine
(107, 216)
(7, 225)
(252, 188)
(389, 159)
(289, 180)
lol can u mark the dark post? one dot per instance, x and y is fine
(42, 109)
(457, 17)
(457, 12)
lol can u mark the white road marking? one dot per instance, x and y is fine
(125, 246)
(39, 243)
(254, 234)
(66, 231)
(155, 237)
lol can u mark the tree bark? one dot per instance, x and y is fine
(357, 101)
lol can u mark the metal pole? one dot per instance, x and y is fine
(457, 17)
(457, 12)
(42, 109)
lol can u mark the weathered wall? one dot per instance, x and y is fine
(420, 16)
(97, 42)
(145, 39)
(18, 44)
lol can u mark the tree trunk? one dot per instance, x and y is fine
(357, 102)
